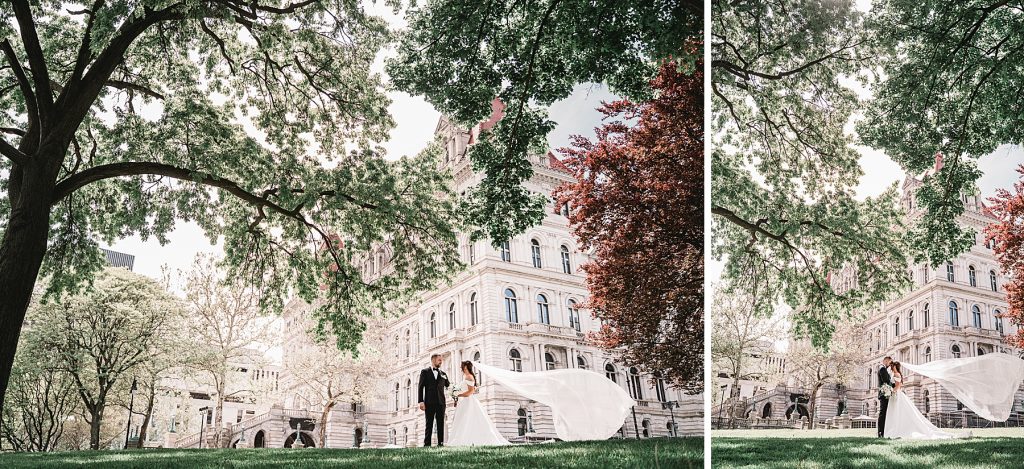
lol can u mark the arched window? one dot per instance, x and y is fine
(896, 327)
(633, 379)
(433, 325)
(659, 387)
(878, 340)
(506, 252)
(871, 339)
(998, 319)
(581, 362)
(949, 271)
(472, 253)
(473, 318)
(549, 361)
(511, 308)
(954, 314)
(451, 316)
(521, 421)
(910, 320)
(992, 280)
(972, 276)
(956, 351)
(927, 402)
(610, 373)
(927, 354)
(408, 343)
(396, 396)
(398, 347)
(408, 392)
(981, 352)
(646, 424)
(927, 315)
(535, 252)
(976, 316)
(476, 358)
(566, 261)
(574, 314)
(543, 313)
(517, 360)
(565, 210)
(405, 435)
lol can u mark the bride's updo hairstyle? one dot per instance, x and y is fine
(468, 365)
(896, 366)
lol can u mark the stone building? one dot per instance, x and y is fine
(949, 311)
(516, 306)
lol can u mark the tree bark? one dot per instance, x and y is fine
(21, 255)
(148, 415)
(95, 421)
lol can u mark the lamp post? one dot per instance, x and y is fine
(669, 405)
(131, 409)
(202, 424)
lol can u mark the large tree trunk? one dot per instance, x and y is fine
(96, 419)
(21, 254)
(148, 416)
(323, 423)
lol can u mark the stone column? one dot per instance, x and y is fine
(543, 363)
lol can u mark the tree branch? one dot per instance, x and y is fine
(40, 74)
(13, 153)
(23, 83)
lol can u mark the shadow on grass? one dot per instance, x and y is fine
(771, 453)
(653, 453)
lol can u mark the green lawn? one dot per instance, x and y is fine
(653, 453)
(771, 449)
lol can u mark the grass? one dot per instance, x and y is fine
(651, 453)
(819, 449)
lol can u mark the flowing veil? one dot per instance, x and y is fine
(984, 384)
(584, 405)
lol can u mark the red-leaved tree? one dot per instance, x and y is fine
(638, 203)
(1008, 235)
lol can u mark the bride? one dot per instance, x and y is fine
(903, 419)
(472, 427)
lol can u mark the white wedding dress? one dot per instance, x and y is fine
(903, 420)
(471, 426)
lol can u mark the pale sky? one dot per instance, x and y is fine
(415, 121)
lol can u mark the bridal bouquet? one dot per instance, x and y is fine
(885, 391)
(456, 390)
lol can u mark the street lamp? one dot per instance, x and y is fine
(131, 407)
(202, 424)
(669, 405)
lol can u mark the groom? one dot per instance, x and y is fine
(431, 398)
(884, 377)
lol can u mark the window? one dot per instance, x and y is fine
(574, 315)
(633, 379)
(472, 253)
(472, 309)
(646, 424)
(976, 316)
(398, 347)
(517, 360)
(581, 362)
(511, 309)
(959, 405)
(521, 422)
(949, 271)
(972, 276)
(238, 418)
(927, 354)
(896, 327)
(956, 351)
(565, 210)
(405, 433)
(878, 340)
(506, 252)
(992, 280)
(396, 396)
(451, 316)
(981, 352)
(433, 325)
(543, 313)
(954, 314)
(549, 361)
(408, 393)
(910, 320)
(566, 261)
(998, 319)
(927, 402)
(927, 319)
(535, 252)
(610, 373)
(659, 387)
(476, 358)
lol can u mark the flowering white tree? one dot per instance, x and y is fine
(324, 376)
(813, 368)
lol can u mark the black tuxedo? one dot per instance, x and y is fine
(430, 392)
(883, 378)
